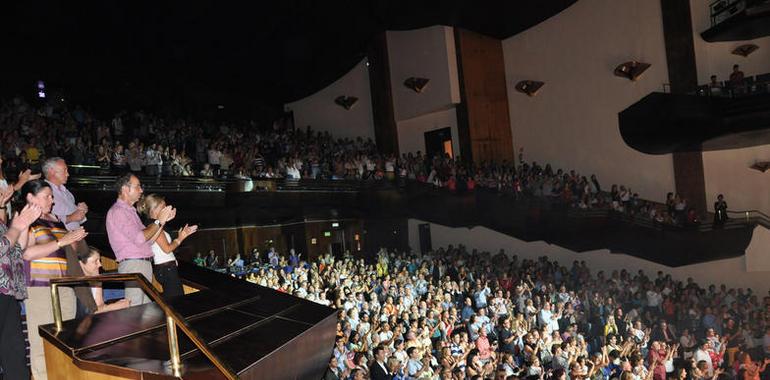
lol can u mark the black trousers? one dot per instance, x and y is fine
(168, 277)
(12, 356)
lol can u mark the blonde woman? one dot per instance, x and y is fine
(165, 264)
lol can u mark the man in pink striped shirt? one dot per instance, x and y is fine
(130, 240)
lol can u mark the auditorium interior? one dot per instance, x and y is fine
(543, 190)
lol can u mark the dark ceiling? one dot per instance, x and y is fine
(202, 53)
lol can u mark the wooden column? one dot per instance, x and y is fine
(385, 128)
(683, 77)
(482, 117)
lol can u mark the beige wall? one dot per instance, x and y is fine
(732, 272)
(716, 57)
(427, 53)
(411, 132)
(320, 111)
(572, 123)
(727, 172)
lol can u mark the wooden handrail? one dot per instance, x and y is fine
(173, 319)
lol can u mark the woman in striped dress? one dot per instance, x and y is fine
(45, 259)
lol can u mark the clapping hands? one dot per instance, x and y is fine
(6, 194)
(22, 220)
(73, 236)
(166, 214)
(186, 231)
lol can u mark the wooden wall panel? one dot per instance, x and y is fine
(683, 76)
(484, 96)
(241, 240)
(383, 114)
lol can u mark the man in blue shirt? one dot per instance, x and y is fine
(467, 310)
(481, 294)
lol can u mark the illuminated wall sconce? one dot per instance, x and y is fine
(416, 84)
(356, 237)
(745, 49)
(631, 70)
(529, 87)
(346, 102)
(761, 166)
(313, 241)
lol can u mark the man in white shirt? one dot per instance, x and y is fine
(546, 318)
(214, 157)
(64, 207)
(654, 299)
(702, 354)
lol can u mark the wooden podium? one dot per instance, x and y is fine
(230, 328)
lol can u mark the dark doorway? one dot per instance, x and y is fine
(337, 250)
(425, 241)
(439, 141)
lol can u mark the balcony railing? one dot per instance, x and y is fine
(173, 319)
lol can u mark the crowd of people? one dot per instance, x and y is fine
(140, 142)
(145, 143)
(461, 314)
(42, 238)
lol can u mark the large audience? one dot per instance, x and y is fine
(460, 314)
(145, 143)
(448, 314)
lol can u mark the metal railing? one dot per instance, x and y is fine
(751, 216)
(173, 319)
(721, 10)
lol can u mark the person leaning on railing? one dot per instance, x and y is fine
(13, 286)
(90, 261)
(720, 210)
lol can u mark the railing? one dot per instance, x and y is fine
(752, 216)
(173, 319)
(195, 184)
(721, 10)
(738, 220)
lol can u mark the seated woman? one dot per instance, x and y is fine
(90, 261)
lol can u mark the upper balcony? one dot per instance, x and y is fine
(737, 20)
(706, 120)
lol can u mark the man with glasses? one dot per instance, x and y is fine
(130, 240)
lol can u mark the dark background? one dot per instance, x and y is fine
(182, 56)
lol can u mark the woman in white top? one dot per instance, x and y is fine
(165, 268)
